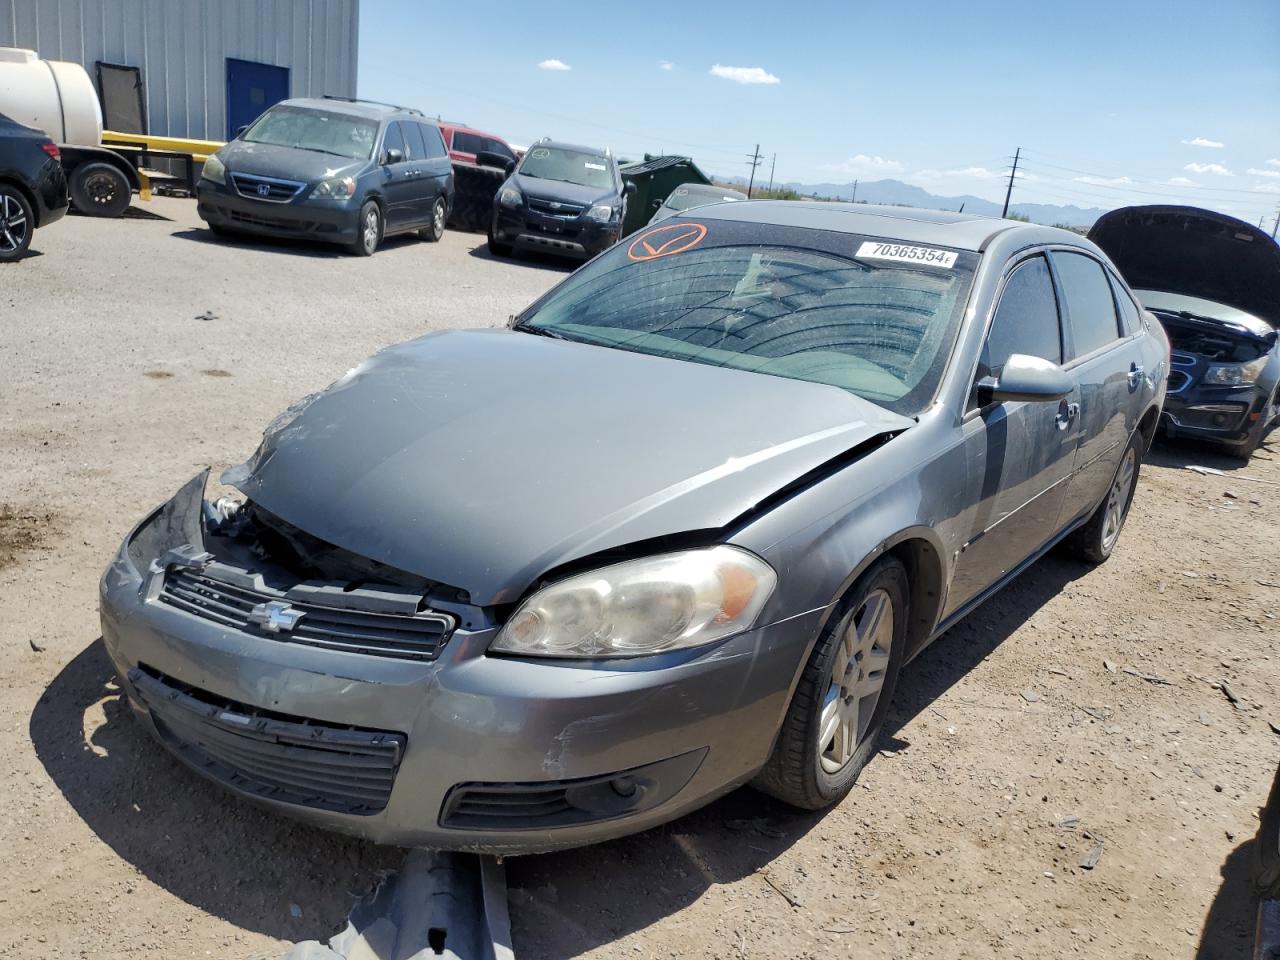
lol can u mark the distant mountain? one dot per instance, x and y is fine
(897, 193)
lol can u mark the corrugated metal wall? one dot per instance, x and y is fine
(181, 47)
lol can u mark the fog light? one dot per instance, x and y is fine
(1219, 419)
(623, 786)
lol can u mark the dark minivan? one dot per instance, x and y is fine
(561, 199)
(342, 171)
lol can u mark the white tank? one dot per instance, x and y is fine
(50, 95)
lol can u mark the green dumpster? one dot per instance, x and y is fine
(655, 178)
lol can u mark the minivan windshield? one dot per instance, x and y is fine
(336, 133)
(567, 166)
(784, 301)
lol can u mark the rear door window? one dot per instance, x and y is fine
(413, 138)
(1025, 321)
(393, 140)
(1090, 305)
(431, 140)
(1130, 318)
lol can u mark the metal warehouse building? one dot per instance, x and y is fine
(193, 68)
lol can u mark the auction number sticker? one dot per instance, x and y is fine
(875, 250)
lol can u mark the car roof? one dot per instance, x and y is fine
(463, 128)
(963, 231)
(364, 109)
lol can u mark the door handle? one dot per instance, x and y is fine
(1066, 415)
(1135, 375)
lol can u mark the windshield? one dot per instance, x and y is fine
(784, 301)
(682, 198)
(335, 133)
(568, 166)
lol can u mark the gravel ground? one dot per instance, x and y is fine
(135, 352)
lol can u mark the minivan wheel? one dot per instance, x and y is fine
(435, 229)
(1094, 541)
(16, 224)
(837, 712)
(368, 230)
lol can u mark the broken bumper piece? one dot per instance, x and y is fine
(440, 744)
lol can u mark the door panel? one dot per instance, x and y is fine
(400, 184)
(251, 88)
(437, 167)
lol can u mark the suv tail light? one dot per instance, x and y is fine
(51, 149)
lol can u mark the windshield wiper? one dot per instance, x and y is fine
(524, 327)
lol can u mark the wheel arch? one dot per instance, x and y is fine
(1147, 426)
(75, 156)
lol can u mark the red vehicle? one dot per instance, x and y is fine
(464, 143)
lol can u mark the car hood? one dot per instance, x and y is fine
(559, 190)
(483, 459)
(285, 163)
(1196, 253)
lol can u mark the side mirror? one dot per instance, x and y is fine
(657, 204)
(393, 156)
(628, 188)
(1032, 379)
(240, 131)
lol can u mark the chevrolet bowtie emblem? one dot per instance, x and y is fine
(275, 616)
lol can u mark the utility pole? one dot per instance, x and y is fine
(1275, 226)
(854, 198)
(753, 161)
(772, 164)
(1012, 173)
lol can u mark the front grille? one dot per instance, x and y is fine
(481, 806)
(266, 188)
(272, 223)
(556, 208)
(417, 637)
(1177, 380)
(272, 755)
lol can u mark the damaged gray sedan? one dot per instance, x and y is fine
(676, 530)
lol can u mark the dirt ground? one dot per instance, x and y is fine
(1078, 713)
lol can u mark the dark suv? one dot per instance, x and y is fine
(341, 171)
(560, 199)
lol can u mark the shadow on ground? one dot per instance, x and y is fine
(527, 258)
(1228, 927)
(1184, 452)
(224, 856)
(288, 246)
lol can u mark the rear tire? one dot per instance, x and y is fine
(433, 231)
(17, 224)
(100, 190)
(1094, 542)
(368, 230)
(837, 712)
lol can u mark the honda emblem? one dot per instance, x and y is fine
(264, 189)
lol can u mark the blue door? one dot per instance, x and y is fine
(251, 88)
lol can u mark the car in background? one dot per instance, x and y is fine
(335, 170)
(1213, 282)
(33, 187)
(776, 448)
(689, 195)
(464, 143)
(560, 198)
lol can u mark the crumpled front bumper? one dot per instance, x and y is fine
(1213, 413)
(478, 734)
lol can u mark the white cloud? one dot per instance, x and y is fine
(744, 74)
(666, 65)
(1259, 172)
(1273, 163)
(554, 64)
(1181, 182)
(1216, 169)
(1267, 188)
(972, 173)
(1104, 181)
(861, 164)
(1204, 142)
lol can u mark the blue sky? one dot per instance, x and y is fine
(1125, 101)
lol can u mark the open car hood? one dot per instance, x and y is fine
(482, 459)
(1196, 253)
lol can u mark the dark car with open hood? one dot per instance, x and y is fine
(1213, 282)
(677, 529)
(333, 170)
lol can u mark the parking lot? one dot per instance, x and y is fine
(1080, 714)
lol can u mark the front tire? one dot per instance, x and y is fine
(1094, 541)
(433, 231)
(496, 248)
(17, 223)
(1245, 451)
(837, 712)
(100, 190)
(368, 230)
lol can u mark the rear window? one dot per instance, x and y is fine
(1091, 310)
(782, 301)
(318, 130)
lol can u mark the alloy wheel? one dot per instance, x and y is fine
(370, 230)
(14, 226)
(858, 673)
(437, 219)
(1118, 499)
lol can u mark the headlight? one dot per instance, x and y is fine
(510, 197)
(1234, 374)
(602, 212)
(214, 170)
(335, 188)
(668, 602)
